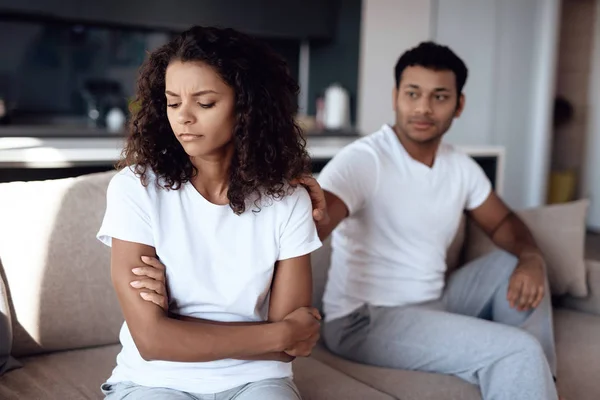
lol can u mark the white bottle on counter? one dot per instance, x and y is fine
(115, 120)
(337, 107)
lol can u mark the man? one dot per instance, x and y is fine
(395, 199)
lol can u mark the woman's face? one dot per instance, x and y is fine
(200, 108)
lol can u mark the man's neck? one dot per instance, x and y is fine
(423, 152)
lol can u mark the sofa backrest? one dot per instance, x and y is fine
(320, 262)
(56, 272)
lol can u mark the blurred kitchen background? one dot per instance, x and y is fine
(68, 71)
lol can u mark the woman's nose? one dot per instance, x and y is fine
(185, 116)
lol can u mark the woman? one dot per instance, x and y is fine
(204, 186)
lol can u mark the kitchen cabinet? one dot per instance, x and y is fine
(294, 19)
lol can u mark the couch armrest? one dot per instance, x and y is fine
(591, 303)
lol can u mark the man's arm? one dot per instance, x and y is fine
(328, 209)
(504, 227)
(508, 232)
(350, 180)
(159, 337)
(337, 211)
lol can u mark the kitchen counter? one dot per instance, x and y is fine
(82, 131)
(56, 131)
(63, 152)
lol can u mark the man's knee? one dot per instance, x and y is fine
(525, 344)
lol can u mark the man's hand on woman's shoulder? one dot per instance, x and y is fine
(317, 197)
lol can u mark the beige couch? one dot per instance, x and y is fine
(66, 319)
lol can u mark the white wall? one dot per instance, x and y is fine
(388, 28)
(468, 27)
(592, 172)
(545, 66)
(510, 50)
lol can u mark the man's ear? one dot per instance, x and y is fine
(461, 106)
(394, 98)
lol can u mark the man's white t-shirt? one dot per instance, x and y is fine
(403, 216)
(219, 266)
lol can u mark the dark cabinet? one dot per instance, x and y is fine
(298, 19)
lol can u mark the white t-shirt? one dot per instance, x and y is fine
(403, 216)
(219, 266)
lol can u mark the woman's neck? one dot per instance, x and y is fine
(212, 177)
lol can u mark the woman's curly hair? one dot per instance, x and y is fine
(269, 148)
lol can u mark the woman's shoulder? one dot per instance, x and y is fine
(134, 179)
(298, 193)
(284, 200)
(295, 196)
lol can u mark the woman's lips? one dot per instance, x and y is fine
(188, 137)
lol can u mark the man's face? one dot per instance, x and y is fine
(425, 103)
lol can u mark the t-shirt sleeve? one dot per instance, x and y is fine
(127, 215)
(479, 186)
(351, 175)
(299, 235)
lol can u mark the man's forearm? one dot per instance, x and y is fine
(513, 236)
(336, 211)
(272, 356)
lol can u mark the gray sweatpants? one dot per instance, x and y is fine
(512, 357)
(269, 389)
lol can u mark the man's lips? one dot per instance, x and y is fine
(422, 124)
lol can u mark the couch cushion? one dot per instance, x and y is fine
(317, 381)
(7, 362)
(57, 273)
(591, 303)
(320, 261)
(66, 375)
(559, 230)
(455, 251)
(401, 384)
(78, 375)
(577, 337)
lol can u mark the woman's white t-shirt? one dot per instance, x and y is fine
(219, 266)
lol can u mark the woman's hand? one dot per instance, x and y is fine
(303, 331)
(152, 282)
